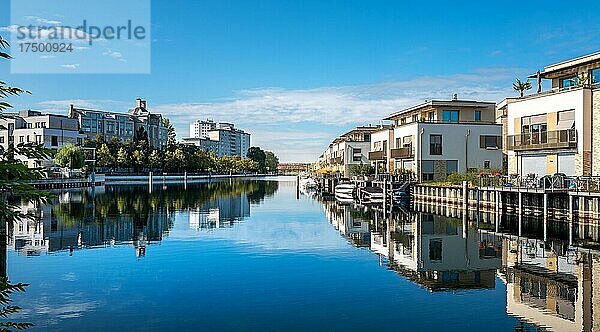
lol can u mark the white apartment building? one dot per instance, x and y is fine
(51, 130)
(439, 137)
(222, 138)
(552, 131)
(347, 150)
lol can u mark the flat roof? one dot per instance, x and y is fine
(442, 103)
(579, 61)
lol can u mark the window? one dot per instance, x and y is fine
(431, 116)
(435, 145)
(415, 118)
(486, 164)
(367, 137)
(435, 250)
(54, 141)
(38, 139)
(490, 142)
(450, 116)
(451, 167)
(568, 82)
(427, 170)
(596, 76)
(477, 115)
(2, 139)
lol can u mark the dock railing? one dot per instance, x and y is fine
(548, 182)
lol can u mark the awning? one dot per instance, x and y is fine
(565, 124)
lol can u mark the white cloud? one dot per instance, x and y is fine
(113, 54)
(42, 20)
(70, 66)
(299, 123)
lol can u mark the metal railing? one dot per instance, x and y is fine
(553, 139)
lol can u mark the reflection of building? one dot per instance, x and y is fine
(351, 223)
(28, 234)
(551, 285)
(219, 213)
(438, 253)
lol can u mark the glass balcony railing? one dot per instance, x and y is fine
(377, 155)
(555, 139)
(404, 152)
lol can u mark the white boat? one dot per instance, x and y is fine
(372, 195)
(345, 190)
(308, 183)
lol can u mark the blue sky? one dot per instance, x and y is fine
(297, 73)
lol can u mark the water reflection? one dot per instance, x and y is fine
(130, 215)
(549, 267)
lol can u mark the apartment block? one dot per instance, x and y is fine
(51, 130)
(221, 138)
(552, 131)
(122, 125)
(439, 137)
(348, 150)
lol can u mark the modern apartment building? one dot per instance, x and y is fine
(347, 150)
(221, 138)
(439, 137)
(552, 131)
(125, 126)
(51, 130)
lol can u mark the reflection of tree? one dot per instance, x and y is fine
(148, 214)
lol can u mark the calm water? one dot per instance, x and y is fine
(252, 256)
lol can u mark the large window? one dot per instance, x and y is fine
(450, 116)
(427, 170)
(568, 82)
(490, 142)
(54, 141)
(435, 249)
(596, 76)
(435, 145)
(451, 166)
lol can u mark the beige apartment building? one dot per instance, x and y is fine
(552, 132)
(439, 137)
(349, 149)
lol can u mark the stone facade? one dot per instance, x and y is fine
(439, 170)
(595, 138)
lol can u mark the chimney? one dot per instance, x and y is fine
(455, 97)
(140, 103)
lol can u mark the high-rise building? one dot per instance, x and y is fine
(222, 138)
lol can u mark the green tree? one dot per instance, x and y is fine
(123, 158)
(104, 158)
(171, 135)
(70, 156)
(14, 185)
(271, 161)
(155, 160)
(521, 86)
(258, 155)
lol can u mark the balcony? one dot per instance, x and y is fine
(402, 153)
(556, 139)
(377, 155)
(336, 161)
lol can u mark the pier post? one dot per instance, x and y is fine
(520, 203)
(297, 186)
(545, 216)
(571, 208)
(150, 181)
(384, 196)
(465, 196)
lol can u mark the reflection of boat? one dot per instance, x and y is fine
(371, 195)
(401, 197)
(308, 183)
(345, 191)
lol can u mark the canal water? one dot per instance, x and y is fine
(258, 256)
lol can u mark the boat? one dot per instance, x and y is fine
(308, 183)
(400, 197)
(345, 191)
(371, 195)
